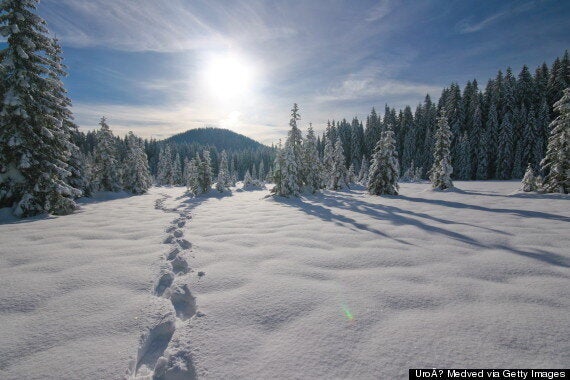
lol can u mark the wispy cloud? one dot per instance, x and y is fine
(379, 11)
(165, 26)
(468, 26)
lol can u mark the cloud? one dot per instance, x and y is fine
(379, 11)
(161, 26)
(466, 26)
(371, 84)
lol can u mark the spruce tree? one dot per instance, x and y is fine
(464, 150)
(384, 169)
(528, 182)
(164, 173)
(311, 163)
(505, 149)
(363, 173)
(177, 170)
(247, 180)
(338, 176)
(556, 163)
(223, 182)
(136, 173)
(107, 171)
(35, 143)
(277, 171)
(205, 173)
(192, 175)
(440, 172)
(293, 164)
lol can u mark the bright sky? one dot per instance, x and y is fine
(162, 67)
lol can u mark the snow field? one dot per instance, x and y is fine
(348, 285)
(335, 285)
(75, 290)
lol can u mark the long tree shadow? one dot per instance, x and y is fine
(327, 215)
(390, 214)
(398, 216)
(371, 209)
(459, 205)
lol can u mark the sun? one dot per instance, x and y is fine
(228, 76)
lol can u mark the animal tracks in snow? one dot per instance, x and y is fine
(156, 359)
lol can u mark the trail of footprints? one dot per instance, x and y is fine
(151, 354)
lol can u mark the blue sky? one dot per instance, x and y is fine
(145, 64)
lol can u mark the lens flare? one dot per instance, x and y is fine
(347, 312)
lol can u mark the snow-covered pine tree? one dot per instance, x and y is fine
(205, 173)
(293, 165)
(528, 182)
(277, 171)
(556, 163)
(164, 172)
(191, 175)
(35, 145)
(440, 173)
(254, 172)
(328, 160)
(136, 173)
(363, 173)
(107, 170)
(312, 164)
(177, 170)
(223, 182)
(247, 180)
(351, 175)
(338, 176)
(384, 169)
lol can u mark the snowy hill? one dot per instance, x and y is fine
(336, 285)
(222, 139)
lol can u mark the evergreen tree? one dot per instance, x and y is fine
(164, 175)
(351, 175)
(192, 175)
(136, 173)
(177, 170)
(223, 182)
(483, 157)
(556, 164)
(205, 173)
(312, 164)
(357, 140)
(440, 173)
(505, 149)
(247, 180)
(261, 171)
(528, 182)
(384, 169)
(493, 133)
(363, 173)
(464, 156)
(107, 172)
(293, 165)
(35, 142)
(277, 172)
(338, 173)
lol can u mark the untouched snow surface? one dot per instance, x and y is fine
(337, 285)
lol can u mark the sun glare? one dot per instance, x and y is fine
(228, 76)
